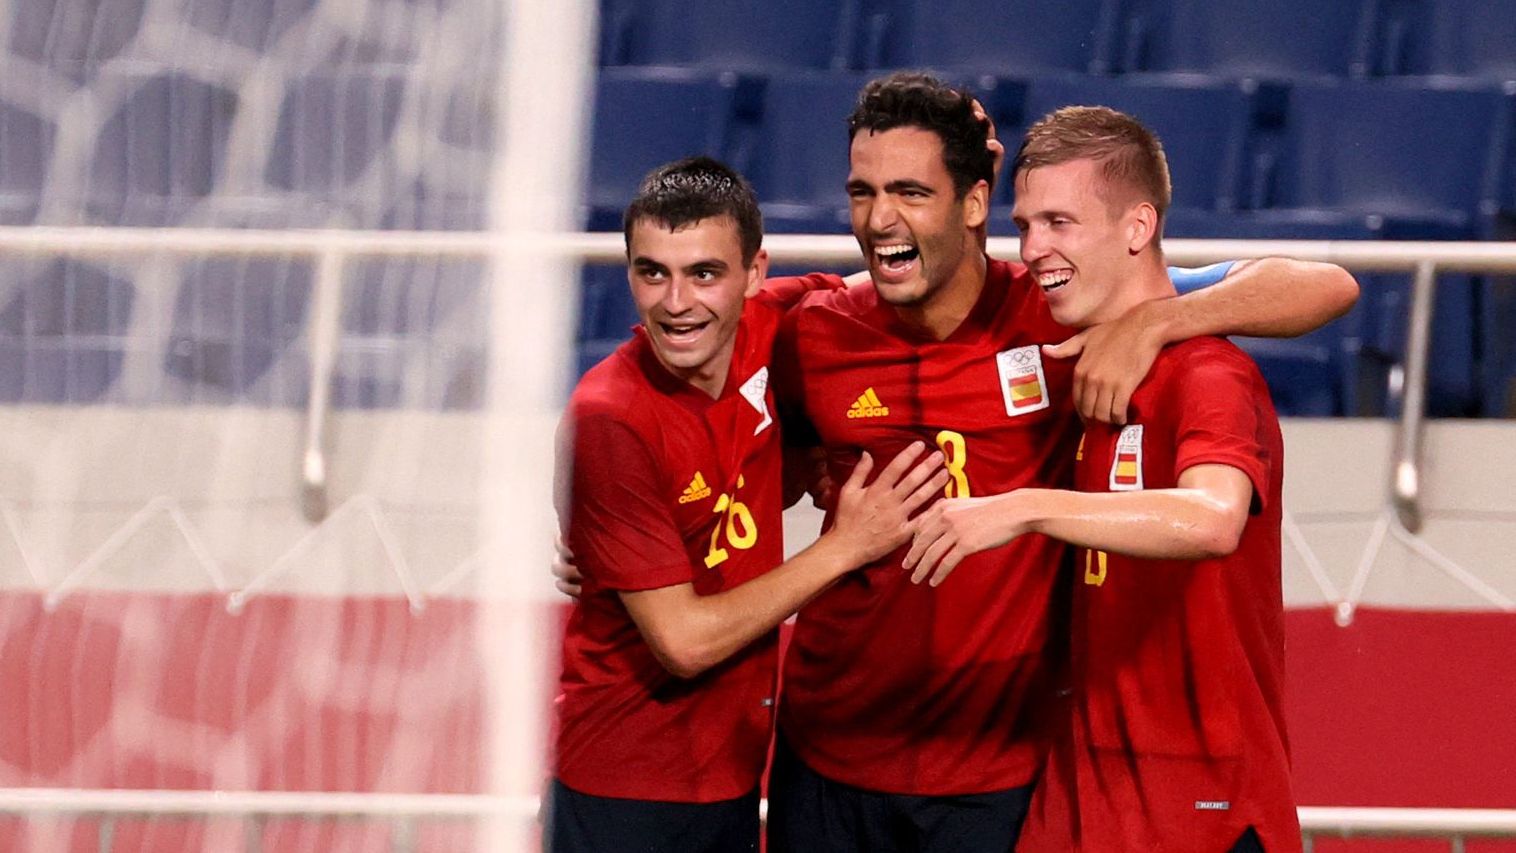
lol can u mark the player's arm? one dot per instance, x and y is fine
(1270, 297)
(1202, 518)
(689, 633)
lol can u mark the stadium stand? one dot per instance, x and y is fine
(999, 38)
(1252, 38)
(800, 151)
(1466, 38)
(746, 36)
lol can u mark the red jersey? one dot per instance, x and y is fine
(1177, 739)
(907, 689)
(668, 487)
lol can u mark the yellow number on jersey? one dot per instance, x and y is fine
(956, 455)
(740, 527)
(1094, 567)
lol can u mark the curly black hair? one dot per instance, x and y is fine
(914, 99)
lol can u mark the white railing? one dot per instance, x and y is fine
(404, 812)
(330, 251)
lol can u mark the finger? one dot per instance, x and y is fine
(1084, 395)
(1120, 401)
(1068, 349)
(899, 465)
(919, 543)
(572, 590)
(921, 473)
(926, 491)
(949, 562)
(860, 473)
(1103, 403)
(562, 547)
(930, 558)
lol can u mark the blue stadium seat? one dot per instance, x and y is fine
(730, 34)
(234, 319)
(255, 26)
(72, 38)
(1009, 38)
(332, 125)
(1430, 158)
(1268, 39)
(606, 311)
(1344, 369)
(1470, 38)
(1206, 126)
(645, 117)
(26, 145)
(161, 151)
(1497, 320)
(63, 332)
(800, 160)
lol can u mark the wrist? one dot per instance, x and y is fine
(1161, 320)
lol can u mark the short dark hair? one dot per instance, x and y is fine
(687, 191)
(914, 99)
(1130, 155)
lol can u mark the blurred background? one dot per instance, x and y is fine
(291, 290)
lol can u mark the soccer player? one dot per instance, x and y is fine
(915, 719)
(670, 496)
(1176, 740)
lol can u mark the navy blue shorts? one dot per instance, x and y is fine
(582, 823)
(809, 813)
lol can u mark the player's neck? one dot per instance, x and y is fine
(1146, 282)
(939, 315)
(709, 378)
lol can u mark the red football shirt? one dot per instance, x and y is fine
(669, 486)
(1177, 739)
(907, 689)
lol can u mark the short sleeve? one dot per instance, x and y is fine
(1190, 279)
(622, 535)
(1221, 420)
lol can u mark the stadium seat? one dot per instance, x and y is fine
(800, 153)
(160, 151)
(26, 145)
(70, 38)
(63, 333)
(1345, 368)
(1429, 158)
(332, 126)
(740, 35)
(645, 117)
(234, 320)
(1206, 126)
(255, 26)
(1002, 38)
(1268, 39)
(1470, 38)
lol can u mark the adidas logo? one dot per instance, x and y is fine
(868, 406)
(696, 490)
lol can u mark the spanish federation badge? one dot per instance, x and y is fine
(1126, 468)
(755, 391)
(1022, 382)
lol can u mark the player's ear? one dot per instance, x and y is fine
(976, 205)
(1141, 227)
(757, 271)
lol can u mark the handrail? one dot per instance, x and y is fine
(332, 248)
(1314, 820)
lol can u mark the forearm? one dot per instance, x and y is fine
(1181, 524)
(705, 630)
(1269, 297)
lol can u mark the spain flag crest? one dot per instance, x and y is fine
(1022, 381)
(1126, 467)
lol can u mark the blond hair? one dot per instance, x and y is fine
(1131, 156)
